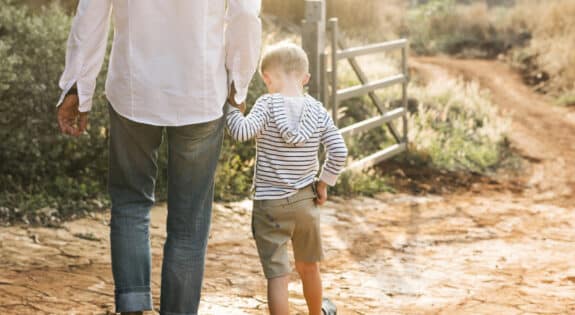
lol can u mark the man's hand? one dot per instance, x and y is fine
(321, 190)
(232, 99)
(70, 120)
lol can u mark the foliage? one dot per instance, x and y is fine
(567, 99)
(368, 19)
(458, 126)
(39, 166)
(455, 127)
(539, 34)
(366, 183)
(453, 124)
(552, 48)
(448, 27)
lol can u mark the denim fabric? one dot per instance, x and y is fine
(193, 152)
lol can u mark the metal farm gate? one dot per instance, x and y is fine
(324, 82)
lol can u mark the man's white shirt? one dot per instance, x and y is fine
(171, 62)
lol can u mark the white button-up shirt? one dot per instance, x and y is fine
(171, 62)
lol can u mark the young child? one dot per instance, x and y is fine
(289, 127)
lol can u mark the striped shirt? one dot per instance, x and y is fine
(287, 157)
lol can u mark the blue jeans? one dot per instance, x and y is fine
(193, 153)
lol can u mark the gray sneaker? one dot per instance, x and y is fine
(328, 308)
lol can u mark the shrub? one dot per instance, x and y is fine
(453, 124)
(553, 43)
(540, 34)
(473, 30)
(366, 183)
(567, 99)
(40, 167)
(457, 126)
(363, 20)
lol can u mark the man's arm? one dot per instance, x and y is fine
(243, 44)
(85, 52)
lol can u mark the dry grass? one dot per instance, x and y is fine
(540, 35)
(453, 124)
(468, 30)
(366, 19)
(552, 24)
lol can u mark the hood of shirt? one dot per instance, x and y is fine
(307, 124)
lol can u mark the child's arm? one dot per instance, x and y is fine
(335, 159)
(245, 128)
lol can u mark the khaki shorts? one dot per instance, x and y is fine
(275, 222)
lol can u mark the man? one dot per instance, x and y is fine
(172, 65)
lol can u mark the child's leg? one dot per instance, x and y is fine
(272, 227)
(308, 251)
(312, 288)
(278, 295)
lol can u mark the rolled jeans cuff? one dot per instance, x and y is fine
(170, 313)
(133, 302)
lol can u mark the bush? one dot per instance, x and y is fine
(552, 48)
(567, 99)
(457, 126)
(366, 183)
(474, 30)
(539, 34)
(453, 125)
(40, 167)
(363, 20)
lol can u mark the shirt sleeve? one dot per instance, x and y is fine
(245, 128)
(243, 43)
(336, 152)
(85, 50)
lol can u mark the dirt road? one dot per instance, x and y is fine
(489, 250)
(542, 133)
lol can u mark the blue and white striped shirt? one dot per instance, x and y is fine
(287, 157)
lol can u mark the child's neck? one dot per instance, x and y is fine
(291, 89)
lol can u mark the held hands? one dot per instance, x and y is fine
(232, 99)
(70, 120)
(321, 189)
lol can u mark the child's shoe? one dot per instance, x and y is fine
(328, 308)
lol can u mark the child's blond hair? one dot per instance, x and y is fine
(287, 56)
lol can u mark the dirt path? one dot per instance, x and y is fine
(485, 251)
(542, 133)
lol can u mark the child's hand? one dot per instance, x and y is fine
(321, 189)
(241, 107)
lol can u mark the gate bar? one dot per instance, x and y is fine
(371, 49)
(374, 98)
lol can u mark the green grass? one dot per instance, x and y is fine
(365, 183)
(567, 99)
(456, 126)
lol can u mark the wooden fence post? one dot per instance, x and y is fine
(405, 72)
(313, 42)
(334, 29)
